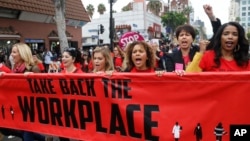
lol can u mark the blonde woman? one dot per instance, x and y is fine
(102, 60)
(23, 59)
(23, 62)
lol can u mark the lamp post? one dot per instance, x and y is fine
(111, 25)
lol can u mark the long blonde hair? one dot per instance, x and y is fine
(109, 66)
(25, 54)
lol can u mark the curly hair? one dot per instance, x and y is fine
(241, 55)
(150, 63)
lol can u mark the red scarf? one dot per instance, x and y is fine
(147, 70)
(19, 69)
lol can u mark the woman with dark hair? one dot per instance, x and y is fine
(70, 58)
(180, 59)
(230, 50)
(139, 57)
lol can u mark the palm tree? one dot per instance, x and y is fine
(59, 6)
(237, 19)
(90, 10)
(101, 8)
(173, 19)
(155, 7)
(186, 11)
(128, 7)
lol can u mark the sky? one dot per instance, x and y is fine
(220, 8)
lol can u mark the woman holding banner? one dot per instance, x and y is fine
(24, 63)
(70, 57)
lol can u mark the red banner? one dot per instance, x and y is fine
(124, 106)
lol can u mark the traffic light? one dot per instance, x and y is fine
(101, 28)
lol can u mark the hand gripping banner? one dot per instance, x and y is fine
(124, 106)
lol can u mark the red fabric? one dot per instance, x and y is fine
(41, 66)
(186, 60)
(3, 68)
(76, 71)
(118, 61)
(90, 66)
(161, 54)
(147, 70)
(207, 64)
(19, 69)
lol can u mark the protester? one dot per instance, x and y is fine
(87, 65)
(219, 132)
(230, 50)
(140, 57)
(215, 22)
(180, 59)
(70, 57)
(102, 60)
(24, 63)
(198, 132)
(176, 131)
(118, 58)
(47, 59)
(38, 62)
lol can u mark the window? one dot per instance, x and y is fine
(243, 8)
(244, 14)
(243, 19)
(248, 24)
(244, 2)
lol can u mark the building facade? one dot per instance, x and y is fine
(32, 22)
(138, 19)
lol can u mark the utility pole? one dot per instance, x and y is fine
(111, 25)
(98, 33)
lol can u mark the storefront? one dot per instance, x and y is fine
(36, 44)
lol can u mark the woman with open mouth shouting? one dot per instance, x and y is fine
(140, 57)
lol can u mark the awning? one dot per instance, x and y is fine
(54, 35)
(8, 32)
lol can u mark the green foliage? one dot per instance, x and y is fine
(248, 35)
(155, 7)
(101, 8)
(90, 10)
(173, 19)
(127, 7)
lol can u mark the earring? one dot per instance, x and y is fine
(237, 48)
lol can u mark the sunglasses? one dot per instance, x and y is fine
(70, 49)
